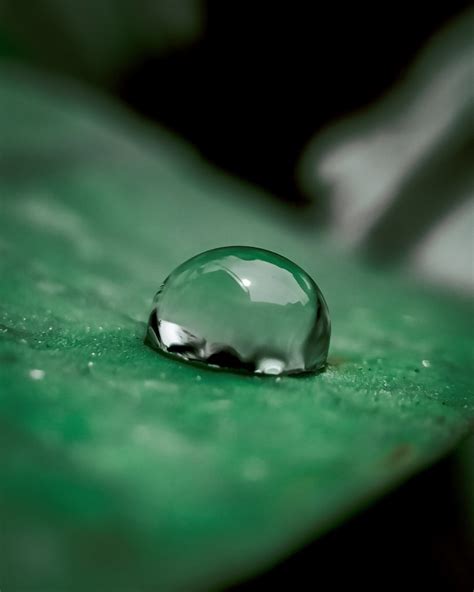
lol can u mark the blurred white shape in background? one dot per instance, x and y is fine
(447, 253)
(364, 163)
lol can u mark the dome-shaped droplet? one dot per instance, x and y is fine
(242, 308)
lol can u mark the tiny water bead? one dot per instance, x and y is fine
(242, 308)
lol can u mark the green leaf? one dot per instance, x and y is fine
(123, 469)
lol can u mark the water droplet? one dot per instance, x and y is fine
(426, 363)
(242, 308)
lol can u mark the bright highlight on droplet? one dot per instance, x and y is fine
(242, 308)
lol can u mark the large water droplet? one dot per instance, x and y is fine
(242, 308)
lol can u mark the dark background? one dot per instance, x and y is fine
(265, 77)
